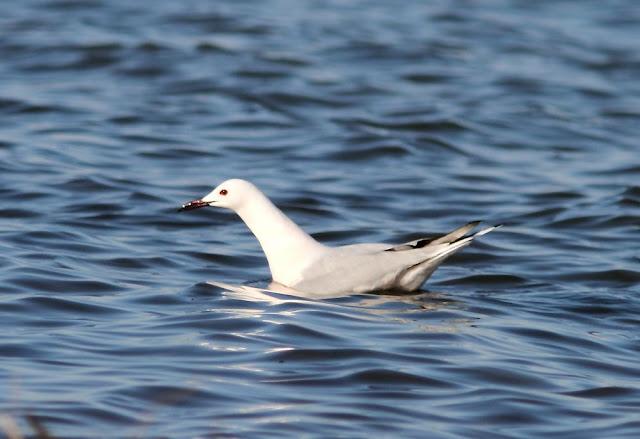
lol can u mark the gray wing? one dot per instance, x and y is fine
(364, 267)
(367, 267)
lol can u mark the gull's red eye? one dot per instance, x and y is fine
(223, 192)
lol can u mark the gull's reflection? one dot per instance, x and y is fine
(276, 293)
(405, 309)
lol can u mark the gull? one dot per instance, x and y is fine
(299, 262)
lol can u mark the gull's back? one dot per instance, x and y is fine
(362, 268)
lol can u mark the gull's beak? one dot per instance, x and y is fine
(195, 204)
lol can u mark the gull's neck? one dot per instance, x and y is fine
(288, 248)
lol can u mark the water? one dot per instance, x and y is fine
(366, 121)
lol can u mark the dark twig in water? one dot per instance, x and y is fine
(38, 427)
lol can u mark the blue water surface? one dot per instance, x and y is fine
(366, 121)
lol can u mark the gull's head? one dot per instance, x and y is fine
(231, 194)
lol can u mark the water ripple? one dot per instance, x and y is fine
(365, 121)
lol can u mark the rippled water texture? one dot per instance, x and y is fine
(366, 121)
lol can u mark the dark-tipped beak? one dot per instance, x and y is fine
(195, 204)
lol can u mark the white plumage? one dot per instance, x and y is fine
(298, 261)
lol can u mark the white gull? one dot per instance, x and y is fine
(299, 262)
